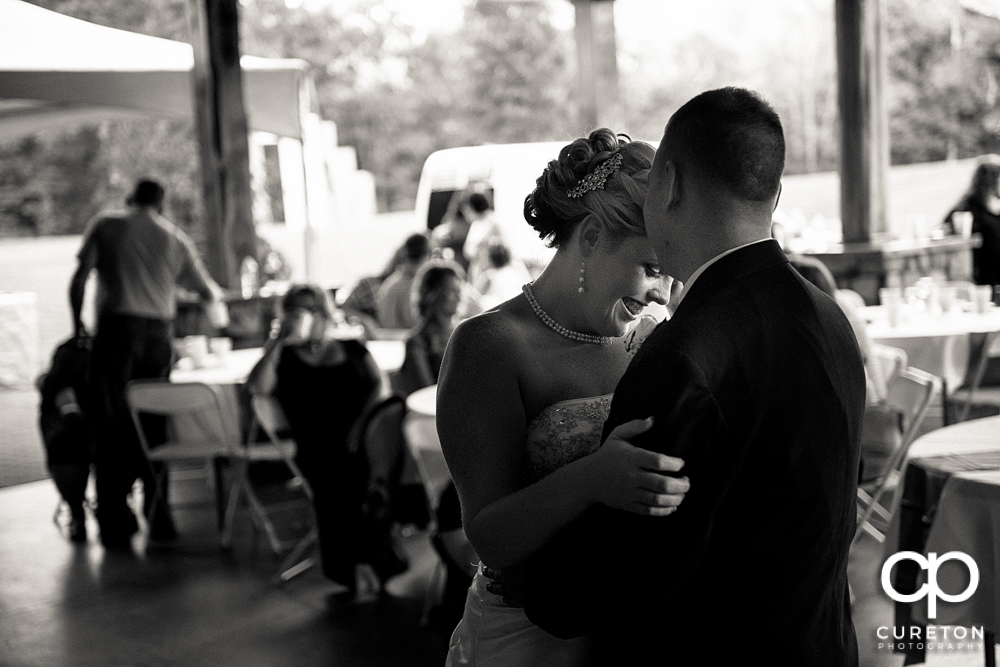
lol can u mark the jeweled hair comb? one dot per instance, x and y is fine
(597, 178)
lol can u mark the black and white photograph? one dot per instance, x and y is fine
(499, 333)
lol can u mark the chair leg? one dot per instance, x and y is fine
(291, 566)
(433, 593)
(160, 480)
(220, 516)
(259, 515)
(226, 529)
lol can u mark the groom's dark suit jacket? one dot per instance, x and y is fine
(757, 383)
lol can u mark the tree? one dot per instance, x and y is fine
(77, 172)
(943, 65)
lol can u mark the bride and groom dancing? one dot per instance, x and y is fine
(715, 519)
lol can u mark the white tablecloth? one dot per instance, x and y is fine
(968, 520)
(936, 344)
(19, 357)
(227, 373)
(224, 375)
(423, 401)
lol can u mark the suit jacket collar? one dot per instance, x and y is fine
(734, 266)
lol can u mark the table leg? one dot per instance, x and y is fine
(944, 402)
(977, 376)
(218, 464)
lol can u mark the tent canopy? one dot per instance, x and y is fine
(57, 70)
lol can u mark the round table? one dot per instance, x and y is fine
(968, 520)
(423, 401)
(952, 484)
(420, 433)
(936, 344)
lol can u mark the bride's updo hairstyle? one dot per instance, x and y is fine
(569, 190)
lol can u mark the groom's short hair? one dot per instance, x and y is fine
(732, 137)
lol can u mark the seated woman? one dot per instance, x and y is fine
(881, 430)
(438, 288)
(323, 385)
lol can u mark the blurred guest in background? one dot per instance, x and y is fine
(324, 385)
(483, 232)
(141, 258)
(393, 299)
(881, 427)
(67, 429)
(460, 562)
(361, 299)
(449, 237)
(501, 279)
(438, 289)
(982, 200)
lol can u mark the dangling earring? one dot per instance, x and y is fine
(583, 279)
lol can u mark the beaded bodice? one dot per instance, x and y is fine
(564, 432)
(568, 430)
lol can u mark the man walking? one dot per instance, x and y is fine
(757, 383)
(141, 258)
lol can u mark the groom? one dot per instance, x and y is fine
(757, 383)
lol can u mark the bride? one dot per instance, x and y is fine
(525, 389)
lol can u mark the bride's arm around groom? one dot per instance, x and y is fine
(757, 383)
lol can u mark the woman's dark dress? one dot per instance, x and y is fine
(419, 351)
(985, 258)
(321, 404)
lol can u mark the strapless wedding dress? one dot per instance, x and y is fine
(491, 631)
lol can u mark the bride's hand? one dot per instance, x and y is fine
(630, 478)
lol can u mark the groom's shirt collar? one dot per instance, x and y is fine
(704, 267)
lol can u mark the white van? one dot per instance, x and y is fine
(505, 173)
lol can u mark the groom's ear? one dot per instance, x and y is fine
(671, 185)
(590, 235)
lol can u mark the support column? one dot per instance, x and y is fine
(864, 134)
(221, 123)
(597, 64)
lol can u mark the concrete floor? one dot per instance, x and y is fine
(191, 604)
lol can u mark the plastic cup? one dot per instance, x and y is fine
(948, 298)
(301, 327)
(962, 222)
(891, 299)
(196, 347)
(220, 347)
(218, 314)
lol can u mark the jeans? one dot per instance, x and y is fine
(126, 348)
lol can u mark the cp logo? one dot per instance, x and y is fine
(931, 590)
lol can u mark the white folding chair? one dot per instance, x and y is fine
(420, 435)
(975, 394)
(910, 393)
(198, 404)
(851, 297)
(884, 366)
(270, 418)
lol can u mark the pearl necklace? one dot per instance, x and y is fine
(558, 328)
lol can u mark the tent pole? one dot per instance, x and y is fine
(221, 122)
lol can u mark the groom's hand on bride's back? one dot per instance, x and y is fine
(634, 479)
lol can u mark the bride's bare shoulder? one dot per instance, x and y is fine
(497, 334)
